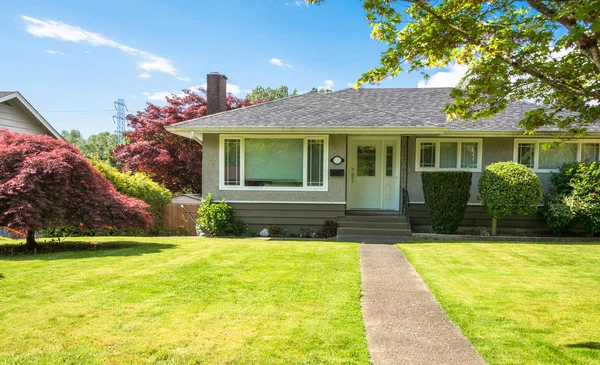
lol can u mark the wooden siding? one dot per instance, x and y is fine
(475, 216)
(288, 216)
(17, 120)
(261, 215)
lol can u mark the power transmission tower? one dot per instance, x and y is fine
(119, 119)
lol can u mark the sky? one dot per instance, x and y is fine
(72, 59)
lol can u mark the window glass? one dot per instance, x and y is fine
(448, 155)
(273, 162)
(556, 157)
(316, 148)
(232, 162)
(427, 154)
(590, 152)
(468, 155)
(389, 161)
(366, 160)
(526, 154)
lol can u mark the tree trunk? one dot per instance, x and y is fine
(494, 223)
(30, 242)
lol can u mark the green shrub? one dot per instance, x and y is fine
(328, 229)
(216, 219)
(446, 196)
(275, 231)
(507, 188)
(140, 186)
(66, 231)
(558, 214)
(574, 197)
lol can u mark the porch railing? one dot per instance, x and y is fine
(405, 203)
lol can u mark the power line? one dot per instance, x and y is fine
(77, 111)
(82, 116)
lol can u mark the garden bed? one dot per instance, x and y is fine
(498, 238)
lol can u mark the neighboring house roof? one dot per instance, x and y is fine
(15, 95)
(386, 109)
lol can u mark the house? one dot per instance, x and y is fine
(352, 154)
(17, 115)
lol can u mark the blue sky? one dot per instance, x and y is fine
(72, 59)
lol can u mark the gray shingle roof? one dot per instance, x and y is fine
(4, 93)
(364, 108)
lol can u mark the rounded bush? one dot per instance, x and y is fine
(216, 219)
(507, 188)
(446, 196)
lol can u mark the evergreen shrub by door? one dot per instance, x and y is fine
(446, 195)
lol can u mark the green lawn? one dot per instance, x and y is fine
(182, 301)
(518, 303)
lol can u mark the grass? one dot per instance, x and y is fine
(182, 301)
(518, 303)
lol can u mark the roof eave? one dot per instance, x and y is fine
(33, 111)
(195, 132)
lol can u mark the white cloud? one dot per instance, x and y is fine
(58, 53)
(448, 78)
(157, 95)
(327, 85)
(350, 84)
(161, 95)
(69, 33)
(280, 63)
(144, 75)
(296, 3)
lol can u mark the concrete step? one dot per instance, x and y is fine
(388, 240)
(375, 232)
(372, 218)
(380, 225)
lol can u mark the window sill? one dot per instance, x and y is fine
(418, 169)
(258, 188)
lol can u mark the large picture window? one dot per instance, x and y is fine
(273, 162)
(533, 153)
(448, 154)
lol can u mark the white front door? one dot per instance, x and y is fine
(374, 173)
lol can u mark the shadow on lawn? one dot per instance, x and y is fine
(80, 249)
(585, 345)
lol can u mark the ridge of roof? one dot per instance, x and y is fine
(310, 93)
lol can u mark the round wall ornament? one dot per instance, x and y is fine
(336, 160)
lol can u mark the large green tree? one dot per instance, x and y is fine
(261, 94)
(97, 146)
(543, 51)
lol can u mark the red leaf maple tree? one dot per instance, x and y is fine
(45, 182)
(172, 160)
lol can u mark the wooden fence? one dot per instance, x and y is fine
(177, 218)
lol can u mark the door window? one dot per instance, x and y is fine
(366, 160)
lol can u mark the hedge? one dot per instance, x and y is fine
(138, 185)
(446, 196)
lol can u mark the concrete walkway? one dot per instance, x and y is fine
(404, 322)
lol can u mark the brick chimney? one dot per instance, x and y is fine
(216, 96)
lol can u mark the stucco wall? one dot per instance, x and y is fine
(495, 149)
(210, 178)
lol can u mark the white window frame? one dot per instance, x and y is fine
(538, 146)
(437, 142)
(304, 187)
